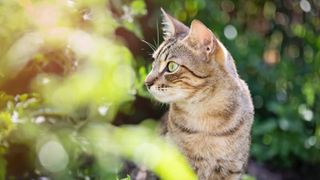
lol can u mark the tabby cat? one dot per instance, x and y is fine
(211, 111)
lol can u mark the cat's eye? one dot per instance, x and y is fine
(172, 66)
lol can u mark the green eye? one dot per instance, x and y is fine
(172, 66)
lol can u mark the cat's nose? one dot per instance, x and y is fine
(148, 84)
(149, 81)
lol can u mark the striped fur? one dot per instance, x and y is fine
(211, 110)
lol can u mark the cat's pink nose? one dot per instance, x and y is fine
(150, 81)
(148, 84)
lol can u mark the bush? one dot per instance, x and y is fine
(71, 70)
(64, 77)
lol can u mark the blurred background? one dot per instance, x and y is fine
(73, 104)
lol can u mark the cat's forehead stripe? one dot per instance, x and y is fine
(163, 60)
(156, 53)
(165, 47)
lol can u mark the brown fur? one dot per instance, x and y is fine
(211, 110)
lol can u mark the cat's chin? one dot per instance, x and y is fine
(163, 98)
(166, 100)
(166, 97)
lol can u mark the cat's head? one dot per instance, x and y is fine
(189, 61)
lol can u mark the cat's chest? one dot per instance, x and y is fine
(199, 143)
(191, 133)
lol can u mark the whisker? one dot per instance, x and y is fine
(165, 89)
(149, 44)
(158, 34)
(155, 43)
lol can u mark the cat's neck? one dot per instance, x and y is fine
(214, 99)
(210, 111)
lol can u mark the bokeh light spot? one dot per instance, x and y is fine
(15, 117)
(103, 110)
(45, 80)
(311, 141)
(306, 113)
(227, 6)
(271, 56)
(40, 119)
(284, 124)
(305, 5)
(230, 32)
(53, 157)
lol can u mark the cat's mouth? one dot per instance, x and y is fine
(165, 93)
(159, 91)
(162, 88)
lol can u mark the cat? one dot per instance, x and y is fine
(210, 107)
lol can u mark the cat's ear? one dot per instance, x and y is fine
(201, 36)
(172, 27)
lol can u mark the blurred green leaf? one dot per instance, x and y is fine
(138, 7)
(248, 177)
(2, 168)
(309, 93)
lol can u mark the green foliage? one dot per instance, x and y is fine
(2, 169)
(126, 178)
(248, 177)
(65, 76)
(64, 118)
